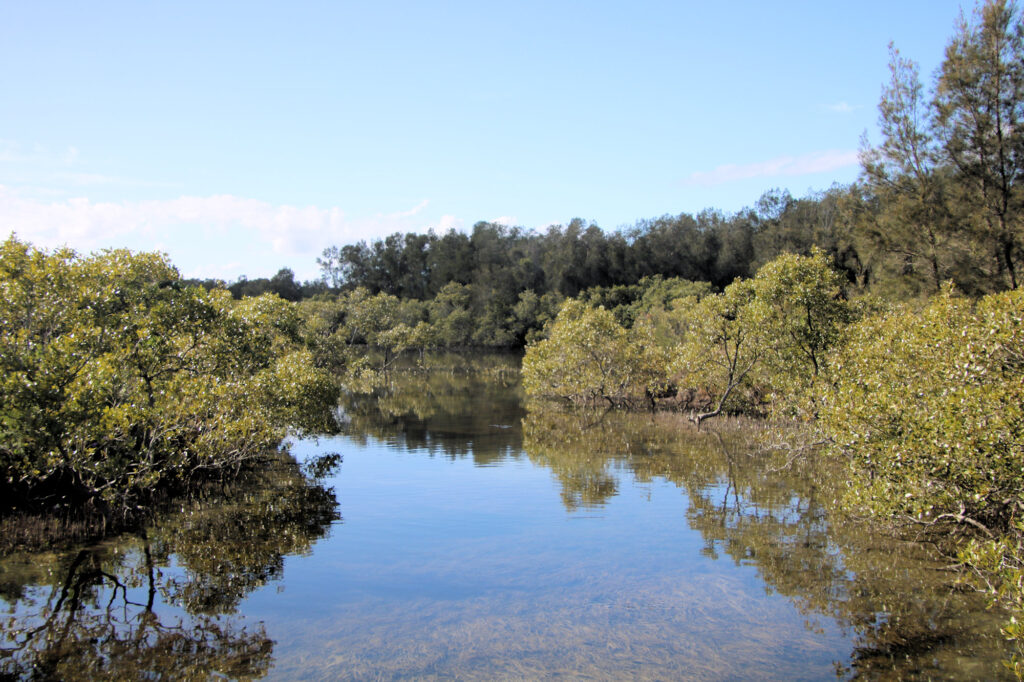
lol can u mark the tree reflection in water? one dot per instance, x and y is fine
(767, 509)
(170, 599)
(454, 405)
(162, 600)
(759, 507)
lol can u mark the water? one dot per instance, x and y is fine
(464, 537)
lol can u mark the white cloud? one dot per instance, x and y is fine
(449, 222)
(411, 212)
(506, 220)
(815, 162)
(201, 234)
(85, 224)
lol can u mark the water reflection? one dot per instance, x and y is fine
(763, 508)
(163, 599)
(484, 540)
(455, 405)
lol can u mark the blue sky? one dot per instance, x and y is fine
(245, 137)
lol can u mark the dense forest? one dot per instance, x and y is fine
(505, 282)
(508, 281)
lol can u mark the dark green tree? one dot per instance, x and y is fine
(906, 174)
(979, 106)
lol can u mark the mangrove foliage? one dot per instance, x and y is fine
(120, 383)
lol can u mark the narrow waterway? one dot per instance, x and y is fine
(464, 536)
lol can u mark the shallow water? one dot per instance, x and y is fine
(466, 537)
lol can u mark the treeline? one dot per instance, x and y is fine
(566, 260)
(282, 284)
(503, 283)
(497, 286)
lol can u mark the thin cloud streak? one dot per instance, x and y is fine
(815, 162)
(411, 212)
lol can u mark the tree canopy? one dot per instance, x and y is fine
(120, 381)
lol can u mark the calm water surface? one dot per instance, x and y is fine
(465, 537)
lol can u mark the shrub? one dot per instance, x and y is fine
(118, 381)
(588, 358)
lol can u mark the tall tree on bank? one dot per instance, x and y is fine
(947, 177)
(904, 173)
(979, 106)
